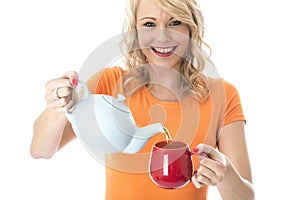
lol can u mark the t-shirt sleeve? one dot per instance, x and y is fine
(109, 81)
(234, 110)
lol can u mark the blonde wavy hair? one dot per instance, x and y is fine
(193, 63)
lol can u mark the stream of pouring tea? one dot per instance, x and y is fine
(168, 135)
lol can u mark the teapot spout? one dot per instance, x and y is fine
(148, 131)
(141, 136)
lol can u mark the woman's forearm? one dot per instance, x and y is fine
(47, 133)
(234, 186)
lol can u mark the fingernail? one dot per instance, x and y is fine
(195, 150)
(74, 82)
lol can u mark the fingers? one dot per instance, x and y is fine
(70, 79)
(60, 92)
(210, 172)
(212, 166)
(206, 175)
(64, 108)
(210, 152)
(72, 76)
(196, 183)
(61, 102)
(55, 92)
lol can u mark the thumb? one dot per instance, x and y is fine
(209, 151)
(73, 77)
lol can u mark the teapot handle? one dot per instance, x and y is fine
(86, 92)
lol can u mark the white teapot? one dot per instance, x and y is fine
(104, 124)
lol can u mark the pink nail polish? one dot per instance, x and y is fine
(74, 82)
(195, 150)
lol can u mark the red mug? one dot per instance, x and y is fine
(170, 165)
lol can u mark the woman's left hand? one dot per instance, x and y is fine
(212, 166)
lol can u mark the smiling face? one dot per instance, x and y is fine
(162, 38)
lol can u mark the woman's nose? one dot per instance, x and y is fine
(163, 35)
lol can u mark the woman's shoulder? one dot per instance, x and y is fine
(107, 79)
(225, 95)
(115, 71)
(221, 84)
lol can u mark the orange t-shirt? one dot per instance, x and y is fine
(188, 121)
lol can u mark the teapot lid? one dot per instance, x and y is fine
(117, 102)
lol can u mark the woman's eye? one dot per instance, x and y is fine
(149, 24)
(175, 23)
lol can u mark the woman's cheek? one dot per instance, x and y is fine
(145, 37)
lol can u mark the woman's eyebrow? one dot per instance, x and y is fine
(143, 18)
(153, 18)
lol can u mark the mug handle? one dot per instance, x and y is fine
(194, 152)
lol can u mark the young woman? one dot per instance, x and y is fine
(163, 82)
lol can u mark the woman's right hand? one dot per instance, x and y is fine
(60, 92)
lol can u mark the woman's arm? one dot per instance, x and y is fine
(51, 130)
(237, 182)
(228, 168)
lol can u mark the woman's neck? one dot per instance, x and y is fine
(166, 83)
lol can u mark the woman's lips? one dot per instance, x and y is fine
(163, 51)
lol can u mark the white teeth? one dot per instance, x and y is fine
(163, 50)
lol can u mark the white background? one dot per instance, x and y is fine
(255, 46)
